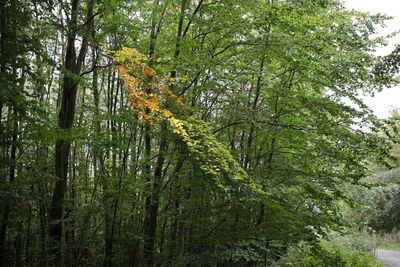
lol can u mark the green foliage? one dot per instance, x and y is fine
(213, 157)
(341, 251)
(260, 166)
(376, 202)
(247, 250)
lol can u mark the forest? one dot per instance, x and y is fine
(194, 133)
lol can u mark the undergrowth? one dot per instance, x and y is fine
(351, 250)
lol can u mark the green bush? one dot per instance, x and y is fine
(353, 250)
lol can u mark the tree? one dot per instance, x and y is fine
(15, 43)
(73, 64)
(214, 133)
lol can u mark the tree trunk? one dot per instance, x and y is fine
(66, 116)
(7, 208)
(150, 224)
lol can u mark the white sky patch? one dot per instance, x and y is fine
(389, 98)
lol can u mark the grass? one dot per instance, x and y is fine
(389, 245)
(388, 241)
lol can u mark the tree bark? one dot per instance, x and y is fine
(73, 65)
(152, 201)
(7, 208)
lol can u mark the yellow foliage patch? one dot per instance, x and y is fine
(147, 92)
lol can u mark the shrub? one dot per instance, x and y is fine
(352, 250)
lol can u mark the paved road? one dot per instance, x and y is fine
(390, 257)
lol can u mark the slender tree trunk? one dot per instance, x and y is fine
(4, 219)
(73, 64)
(7, 209)
(151, 202)
(252, 125)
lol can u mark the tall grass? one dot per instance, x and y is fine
(388, 240)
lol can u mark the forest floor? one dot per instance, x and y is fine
(390, 257)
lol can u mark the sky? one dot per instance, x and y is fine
(389, 98)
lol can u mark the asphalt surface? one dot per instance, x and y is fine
(390, 257)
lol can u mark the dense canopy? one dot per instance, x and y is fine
(182, 132)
